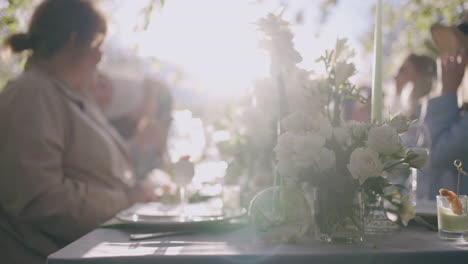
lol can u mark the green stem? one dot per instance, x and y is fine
(395, 164)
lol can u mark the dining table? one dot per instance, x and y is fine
(239, 243)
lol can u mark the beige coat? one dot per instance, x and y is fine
(63, 169)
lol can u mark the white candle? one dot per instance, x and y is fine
(377, 95)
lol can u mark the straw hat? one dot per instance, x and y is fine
(450, 39)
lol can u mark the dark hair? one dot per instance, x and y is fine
(425, 65)
(54, 21)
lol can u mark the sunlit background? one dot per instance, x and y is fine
(207, 51)
(215, 42)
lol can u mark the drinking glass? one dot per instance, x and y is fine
(452, 226)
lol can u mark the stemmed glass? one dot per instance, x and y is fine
(183, 174)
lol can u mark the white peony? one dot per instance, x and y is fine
(407, 211)
(364, 163)
(342, 135)
(297, 122)
(343, 71)
(384, 140)
(417, 157)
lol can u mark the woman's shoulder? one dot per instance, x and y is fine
(31, 93)
(30, 85)
(30, 80)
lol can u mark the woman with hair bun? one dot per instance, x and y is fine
(63, 169)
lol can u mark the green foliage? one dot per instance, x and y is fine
(149, 12)
(406, 27)
(10, 15)
(9, 18)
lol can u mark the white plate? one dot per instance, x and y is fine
(159, 214)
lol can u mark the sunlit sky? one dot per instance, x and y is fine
(215, 41)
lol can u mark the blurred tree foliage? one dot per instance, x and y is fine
(406, 22)
(11, 13)
(406, 25)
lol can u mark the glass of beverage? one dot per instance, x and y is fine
(452, 226)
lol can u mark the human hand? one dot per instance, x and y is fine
(147, 132)
(453, 69)
(141, 193)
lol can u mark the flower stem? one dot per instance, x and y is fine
(395, 164)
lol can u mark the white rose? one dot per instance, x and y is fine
(297, 122)
(407, 211)
(306, 149)
(326, 160)
(343, 71)
(364, 163)
(384, 140)
(342, 135)
(358, 129)
(417, 157)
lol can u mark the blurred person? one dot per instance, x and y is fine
(152, 122)
(356, 110)
(446, 122)
(145, 121)
(100, 91)
(416, 76)
(64, 170)
(414, 81)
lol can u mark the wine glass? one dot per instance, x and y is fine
(183, 173)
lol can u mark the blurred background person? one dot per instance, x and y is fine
(446, 123)
(64, 169)
(356, 109)
(414, 81)
(142, 114)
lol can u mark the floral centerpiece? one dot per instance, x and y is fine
(343, 162)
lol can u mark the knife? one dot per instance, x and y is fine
(159, 234)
